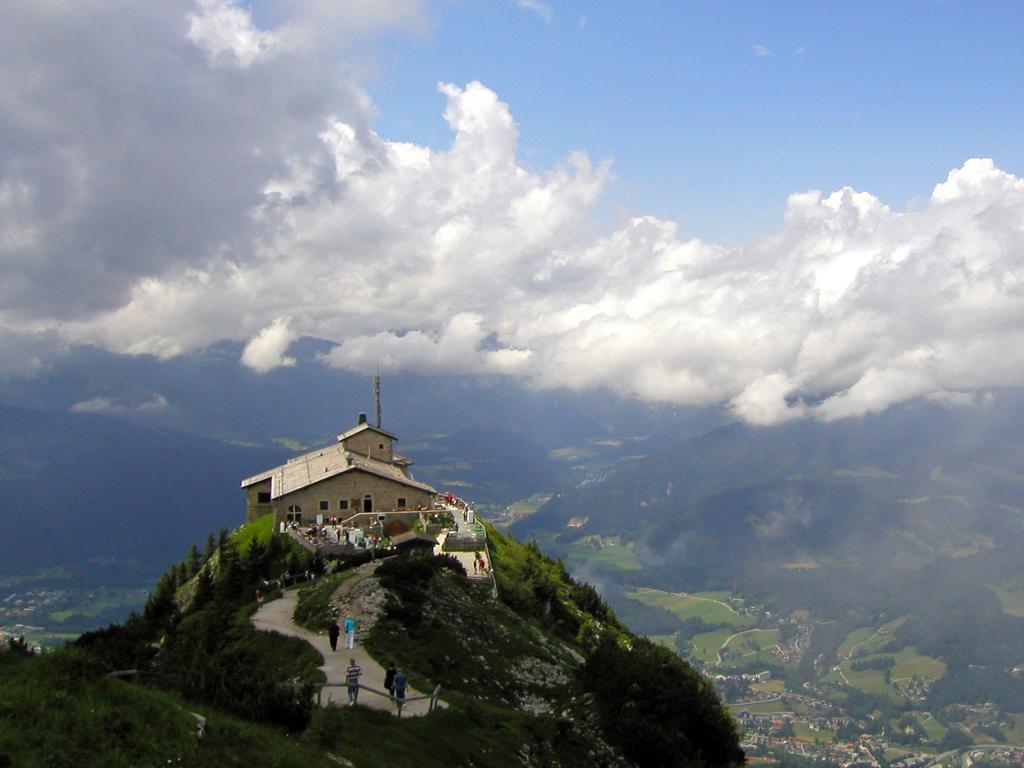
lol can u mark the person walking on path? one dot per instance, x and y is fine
(400, 681)
(352, 680)
(333, 630)
(350, 633)
(389, 678)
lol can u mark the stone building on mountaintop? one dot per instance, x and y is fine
(358, 480)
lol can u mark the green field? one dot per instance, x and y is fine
(936, 731)
(529, 505)
(1011, 596)
(867, 640)
(854, 638)
(603, 553)
(752, 641)
(769, 686)
(805, 732)
(667, 641)
(909, 663)
(1015, 735)
(709, 607)
(752, 648)
(765, 706)
(871, 681)
(104, 599)
(706, 645)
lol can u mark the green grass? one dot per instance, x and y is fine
(752, 648)
(58, 711)
(700, 606)
(763, 707)
(868, 640)
(935, 730)
(668, 641)
(1011, 597)
(870, 681)
(805, 732)
(706, 645)
(1015, 733)
(769, 686)
(480, 735)
(456, 635)
(288, 658)
(529, 505)
(261, 528)
(315, 610)
(107, 599)
(753, 641)
(613, 554)
(856, 637)
(909, 663)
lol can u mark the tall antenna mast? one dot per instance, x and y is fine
(376, 394)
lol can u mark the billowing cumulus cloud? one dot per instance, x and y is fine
(213, 179)
(267, 351)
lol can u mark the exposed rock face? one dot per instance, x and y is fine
(364, 600)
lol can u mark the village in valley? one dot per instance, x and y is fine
(864, 704)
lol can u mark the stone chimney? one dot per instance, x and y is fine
(362, 418)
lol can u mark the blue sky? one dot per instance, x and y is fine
(885, 97)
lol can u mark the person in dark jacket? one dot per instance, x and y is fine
(333, 632)
(389, 678)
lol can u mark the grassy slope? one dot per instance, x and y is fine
(67, 716)
(492, 657)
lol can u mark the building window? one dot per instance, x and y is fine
(263, 497)
(324, 505)
(367, 503)
(294, 514)
(343, 505)
(401, 502)
(381, 446)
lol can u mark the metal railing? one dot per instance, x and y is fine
(399, 703)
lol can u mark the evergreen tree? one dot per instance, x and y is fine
(192, 561)
(255, 562)
(204, 588)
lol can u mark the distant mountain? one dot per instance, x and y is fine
(134, 458)
(80, 486)
(210, 393)
(890, 514)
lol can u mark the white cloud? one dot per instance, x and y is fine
(106, 405)
(536, 6)
(253, 201)
(267, 351)
(227, 32)
(760, 50)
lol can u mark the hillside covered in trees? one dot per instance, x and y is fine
(541, 674)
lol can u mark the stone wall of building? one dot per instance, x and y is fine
(372, 444)
(351, 487)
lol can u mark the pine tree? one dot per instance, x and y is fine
(204, 588)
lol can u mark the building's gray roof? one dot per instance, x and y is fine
(324, 463)
(362, 428)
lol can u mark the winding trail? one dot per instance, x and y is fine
(730, 639)
(276, 616)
